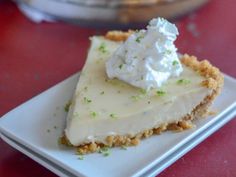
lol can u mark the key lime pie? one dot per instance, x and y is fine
(134, 85)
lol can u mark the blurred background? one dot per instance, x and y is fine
(106, 13)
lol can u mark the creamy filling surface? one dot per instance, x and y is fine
(103, 106)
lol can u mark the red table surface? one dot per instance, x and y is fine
(34, 57)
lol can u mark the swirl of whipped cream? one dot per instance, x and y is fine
(148, 57)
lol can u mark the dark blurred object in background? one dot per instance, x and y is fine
(106, 13)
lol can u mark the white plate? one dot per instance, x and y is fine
(34, 128)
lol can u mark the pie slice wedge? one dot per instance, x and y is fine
(106, 112)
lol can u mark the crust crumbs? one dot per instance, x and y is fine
(118, 35)
(214, 80)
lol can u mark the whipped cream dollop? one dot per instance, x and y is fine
(148, 57)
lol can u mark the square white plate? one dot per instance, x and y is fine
(35, 126)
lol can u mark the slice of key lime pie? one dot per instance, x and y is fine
(134, 85)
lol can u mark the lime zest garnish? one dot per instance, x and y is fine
(67, 106)
(105, 151)
(102, 48)
(143, 92)
(136, 98)
(112, 115)
(175, 62)
(123, 147)
(183, 81)
(86, 100)
(138, 39)
(160, 93)
(81, 157)
(93, 114)
(168, 52)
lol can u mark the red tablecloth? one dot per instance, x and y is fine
(34, 57)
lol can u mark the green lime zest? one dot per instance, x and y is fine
(138, 39)
(175, 62)
(160, 93)
(105, 151)
(123, 147)
(120, 66)
(183, 81)
(102, 48)
(143, 91)
(93, 114)
(81, 157)
(67, 106)
(86, 100)
(113, 116)
(168, 52)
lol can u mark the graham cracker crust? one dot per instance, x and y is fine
(213, 80)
